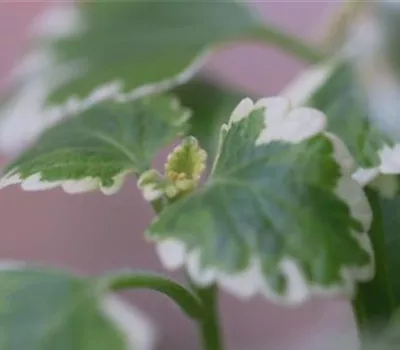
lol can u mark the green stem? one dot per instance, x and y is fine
(209, 324)
(186, 300)
(375, 302)
(207, 312)
(288, 43)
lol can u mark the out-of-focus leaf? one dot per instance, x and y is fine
(136, 46)
(359, 90)
(128, 49)
(145, 42)
(342, 99)
(45, 310)
(388, 16)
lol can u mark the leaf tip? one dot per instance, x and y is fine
(242, 110)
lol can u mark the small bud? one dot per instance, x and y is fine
(186, 163)
(183, 170)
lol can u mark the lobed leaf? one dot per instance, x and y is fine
(279, 215)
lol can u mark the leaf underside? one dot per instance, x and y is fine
(141, 43)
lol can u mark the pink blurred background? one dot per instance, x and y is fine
(93, 233)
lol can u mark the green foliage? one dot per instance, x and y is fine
(281, 213)
(143, 45)
(98, 147)
(274, 204)
(345, 104)
(45, 310)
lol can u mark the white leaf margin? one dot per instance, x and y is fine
(125, 316)
(364, 47)
(292, 125)
(302, 88)
(34, 182)
(26, 114)
(139, 330)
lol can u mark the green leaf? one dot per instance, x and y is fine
(358, 113)
(341, 97)
(43, 310)
(211, 106)
(127, 49)
(279, 215)
(98, 147)
(141, 43)
(359, 91)
(141, 46)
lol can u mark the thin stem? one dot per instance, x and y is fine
(288, 43)
(209, 324)
(375, 302)
(206, 312)
(336, 30)
(186, 300)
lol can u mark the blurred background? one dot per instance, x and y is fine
(92, 233)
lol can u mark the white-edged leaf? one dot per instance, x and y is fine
(97, 148)
(44, 309)
(344, 101)
(359, 91)
(114, 48)
(280, 214)
(127, 318)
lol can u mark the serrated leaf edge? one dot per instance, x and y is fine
(71, 186)
(173, 253)
(34, 182)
